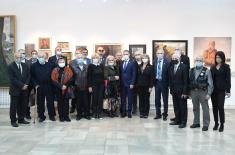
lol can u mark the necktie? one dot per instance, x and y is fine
(159, 70)
(175, 68)
(125, 64)
(19, 67)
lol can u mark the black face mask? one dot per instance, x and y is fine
(175, 61)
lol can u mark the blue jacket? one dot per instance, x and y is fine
(128, 75)
(165, 71)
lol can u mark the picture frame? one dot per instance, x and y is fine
(110, 48)
(7, 46)
(68, 55)
(29, 47)
(80, 46)
(44, 43)
(64, 45)
(137, 47)
(169, 46)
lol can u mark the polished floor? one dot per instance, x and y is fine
(115, 136)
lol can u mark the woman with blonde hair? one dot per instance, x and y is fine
(96, 85)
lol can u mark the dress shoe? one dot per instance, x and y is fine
(28, 117)
(221, 128)
(205, 128)
(174, 123)
(99, 117)
(78, 118)
(129, 116)
(72, 110)
(61, 119)
(172, 119)
(41, 120)
(216, 127)
(158, 117)
(67, 119)
(141, 116)
(23, 122)
(14, 124)
(88, 117)
(182, 125)
(164, 118)
(123, 115)
(145, 117)
(52, 119)
(195, 126)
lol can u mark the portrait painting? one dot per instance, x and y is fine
(44, 43)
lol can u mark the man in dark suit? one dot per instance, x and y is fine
(179, 89)
(161, 72)
(184, 59)
(19, 81)
(128, 78)
(53, 59)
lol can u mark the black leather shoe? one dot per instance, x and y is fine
(172, 119)
(221, 128)
(141, 116)
(158, 117)
(182, 125)
(14, 124)
(78, 118)
(28, 117)
(164, 118)
(23, 122)
(145, 117)
(174, 123)
(123, 115)
(205, 128)
(61, 119)
(41, 120)
(216, 127)
(67, 119)
(129, 116)
(88, 117)
(195, 126)
(52, 119)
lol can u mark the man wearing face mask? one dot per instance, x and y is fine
(138, 61)
(41, 79)
(62, 77)
(179, 89)
(19, 76)
(58, 54)
(128, 79)
(80, 86)
(87, 60)
(201, 86)
(161, 72)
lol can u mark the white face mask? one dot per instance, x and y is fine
(95, 61)
(126, 57)
(111, 63)
(58, 53)
(139, 62)
(62, 64)
(145, 60)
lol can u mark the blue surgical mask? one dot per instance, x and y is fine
(199, 64)
(80, 61)
(41, 61)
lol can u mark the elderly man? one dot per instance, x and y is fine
(101, 52)
(19, 76)
(201, 86)
(41, 79)
(179, 89)
(58, 53)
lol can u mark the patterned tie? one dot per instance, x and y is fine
(125, 64)
(159, 70)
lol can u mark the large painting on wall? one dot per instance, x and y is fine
(169, 46)
(109, 48)
(133, 48)
(29, 47)
(7, 46)
(208, 46)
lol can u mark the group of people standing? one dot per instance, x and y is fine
(110, 85)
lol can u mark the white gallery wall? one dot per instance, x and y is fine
(86, 22)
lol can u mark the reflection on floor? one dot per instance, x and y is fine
(115, 136)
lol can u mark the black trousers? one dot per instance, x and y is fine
(63, 106)
(144, 103)
(43, 93)
(218, 98)
(97, 98)
(82, 103)
(180, 108)
(161, 90)
(18, 105)
(28, 102)
(135, 99)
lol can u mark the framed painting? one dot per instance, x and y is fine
(29, 47)
(68, 55)
(7, 46)
(141, 48)
(169, 46)
(109, 48)
(64, 45)
(44, 43)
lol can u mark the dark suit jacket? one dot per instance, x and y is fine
(179, 80)
(18, 80)
(128, 75)
(221, 78)
(53, 61)
(165, 71)
(145, 78)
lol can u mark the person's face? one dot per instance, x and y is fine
(58, 51)
(218, 59)
(138, 56)
(159, 54)
(18, 57)
(100, 51)
(34, 54)
(111, 59)
(78, 54)
(42, 56)
(118, 56)
(84, 53)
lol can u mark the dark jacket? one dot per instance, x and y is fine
(53, 60)
(165, 71)
(128, 75)
(95, 75)
(221, 78)
(179, 80)
(18, 80)
(145, 77)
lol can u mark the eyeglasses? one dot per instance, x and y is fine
(101, 50)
